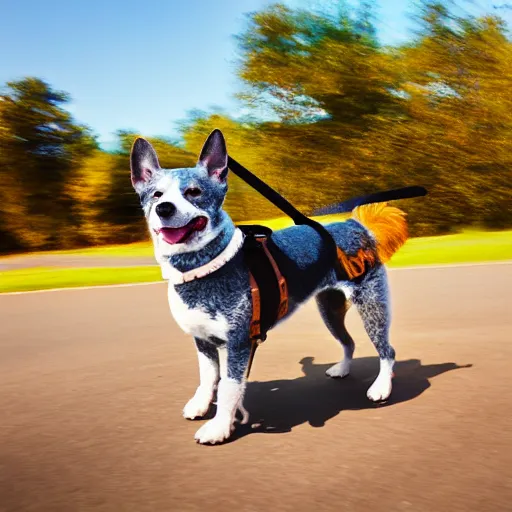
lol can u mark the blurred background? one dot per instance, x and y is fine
(323, 100)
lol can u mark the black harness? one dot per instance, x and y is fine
(259, 250)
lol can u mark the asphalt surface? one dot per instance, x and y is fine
(92, 383)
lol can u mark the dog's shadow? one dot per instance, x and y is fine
(279, 405)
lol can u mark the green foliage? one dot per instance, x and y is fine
(39, 145)
(50, 278)
(331, 114)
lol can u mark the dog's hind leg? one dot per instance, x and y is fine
(208, 357)
(372, 302)
(333, 307)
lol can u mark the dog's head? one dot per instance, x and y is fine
(183, 207)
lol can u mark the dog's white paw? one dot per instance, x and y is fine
(198, 405)
(380, 389)
(214, 431)
(339, 370)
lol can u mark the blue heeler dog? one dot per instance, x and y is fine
(199, 250)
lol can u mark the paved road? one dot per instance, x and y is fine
(92, 383)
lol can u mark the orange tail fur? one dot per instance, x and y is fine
(387, 224)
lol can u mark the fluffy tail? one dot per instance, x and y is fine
(386, 223)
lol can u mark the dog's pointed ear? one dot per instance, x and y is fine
(214, 155)
(143, 163)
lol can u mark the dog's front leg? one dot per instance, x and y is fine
(233, 360)
(208, 358)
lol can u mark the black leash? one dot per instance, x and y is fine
(378, 197)
(345, 206)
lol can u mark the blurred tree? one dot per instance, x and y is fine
(307, 66)
(354, 117)
(323, 77)
(89, 189)
(42, 146)
(329, 113)
(11, 191)
(453, 134)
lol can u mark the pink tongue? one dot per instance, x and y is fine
(178, 235)
(174, 235)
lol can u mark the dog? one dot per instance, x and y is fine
(199, 250)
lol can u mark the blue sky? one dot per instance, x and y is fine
(141, 65)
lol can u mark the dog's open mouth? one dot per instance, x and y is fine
(181, 235)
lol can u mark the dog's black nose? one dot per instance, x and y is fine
(165, 210)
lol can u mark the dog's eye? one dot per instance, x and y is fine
(193, 192)
(157, 194)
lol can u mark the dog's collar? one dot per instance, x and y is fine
(175, 277)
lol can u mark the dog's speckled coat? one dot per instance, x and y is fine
(216, 309)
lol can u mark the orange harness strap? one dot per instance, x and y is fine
(356, 265)
(255, 326)
(281, 281)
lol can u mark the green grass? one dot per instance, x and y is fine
(467, 247)
(46, 278)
